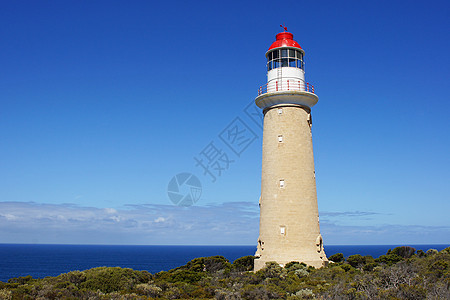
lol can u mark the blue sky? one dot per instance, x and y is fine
(103, 102)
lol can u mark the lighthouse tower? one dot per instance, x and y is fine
(289, 217)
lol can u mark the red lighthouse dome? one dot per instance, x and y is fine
(285, 75)
(285, 39)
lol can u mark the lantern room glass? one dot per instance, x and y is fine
(285, 57)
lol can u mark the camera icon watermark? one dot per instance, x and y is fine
(184, 189)
(218, 155)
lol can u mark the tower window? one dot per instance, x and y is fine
(282, 183)
(280, 111)
(275, 54)
(282, 230)
(292, 62)
(285, 58)
(319, 243)
(309, 119)
(276, 64)
(280, 139)
(292, 53)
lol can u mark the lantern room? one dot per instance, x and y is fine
(285, 64)
(285, 75)
(285, 52)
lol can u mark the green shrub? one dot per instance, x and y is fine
(186, 276)
(75, 277)
(115, 279)
(207, 264)
(404, 251)
(445, 251)
(147, 289)
(356, 261)
(271, 270)
(389, 259)
(346, 267)
(244, 263)
(432, 252)
(20, 280)
(420, 253)
(295, 265)
(337, 271)
(369, 266)
(337, 258)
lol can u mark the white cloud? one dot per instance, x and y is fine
(231, 223)
(159, 220)
(133, 224)
(9, 217)
(110, 211)
(348, 213)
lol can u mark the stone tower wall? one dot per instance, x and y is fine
(289, 217)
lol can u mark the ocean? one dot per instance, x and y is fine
(51, 260)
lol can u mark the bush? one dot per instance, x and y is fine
(244, 263)
(389, 259)
(445, 251)
(294, 267)
(369, 266)
(20, 280)
(337, 258)
(271, 270)
(432, 251)
(420, 253)
(114, 279)
(186, 276)
(150, 290)
(356, 261)
(346, 267)
(207, 264)
(404, 251)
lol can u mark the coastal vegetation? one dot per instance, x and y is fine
(402, 273)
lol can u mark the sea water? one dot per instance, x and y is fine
(51, 260)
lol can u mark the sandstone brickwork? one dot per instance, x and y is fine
(289, 217)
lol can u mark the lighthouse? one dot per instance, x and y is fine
(289, 218)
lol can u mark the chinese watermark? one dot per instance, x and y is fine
(219, 154)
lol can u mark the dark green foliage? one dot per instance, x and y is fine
(244, 263)
(272, 270)
(356, 261)
(446, 250)
(294, 264)
(337, 258)
(369, 266)
(420, 253)
(366, 263)
(404, 251)
(20, 280)
(186, 276)
(439, 268)
(432, 251)
(113, 279)
(347, 267)
(396, 275)
(207, 264)
(389, 259)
